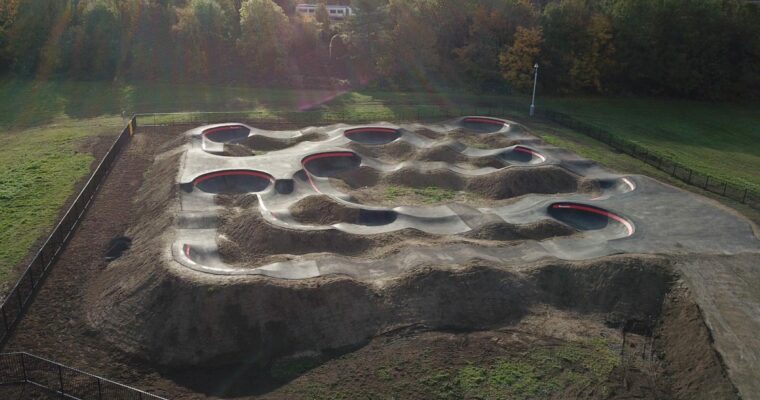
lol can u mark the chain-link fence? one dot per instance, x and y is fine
(62, 381)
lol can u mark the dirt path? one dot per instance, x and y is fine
(727, 290)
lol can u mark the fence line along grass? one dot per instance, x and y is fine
(39, 168)
(721, 140)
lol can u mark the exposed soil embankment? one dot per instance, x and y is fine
(266, 143)
(692, 367)
(500, 230)
(322, 210)
(154, 313)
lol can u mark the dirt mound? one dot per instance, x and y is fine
(357, 178)
(237, 200)
(428, 133)
(400, 150)
(395, 151)
(237, 150)
(503, 184)
(513, 182)
(410, 186)
(500, 230)
(154, 312)
(440, 153)
(247, 239)
(266, 143)
(322, 210)
(412, 177)
(482, 140)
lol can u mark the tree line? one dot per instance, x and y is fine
(687, 48)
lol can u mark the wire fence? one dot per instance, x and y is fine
(18, 299)
(62, 381)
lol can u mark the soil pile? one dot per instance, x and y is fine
(502, 231)
(395, 151)
(513, 182)
(482, 140)
(266, 143)
(154, 313)
(322, 210)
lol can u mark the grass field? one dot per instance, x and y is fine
(39, 168)
(43, 124)
(722, 140)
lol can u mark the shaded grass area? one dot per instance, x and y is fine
(39, 169)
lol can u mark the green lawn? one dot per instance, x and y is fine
(722, 140)
(39, 168)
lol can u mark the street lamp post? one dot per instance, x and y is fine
(535, 81)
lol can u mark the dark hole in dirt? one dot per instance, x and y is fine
(330, 164)
(373, 136)
(579, 218)
(224, 134)
(376, 217)
(233, 182)
(117, 246)
(283, 186)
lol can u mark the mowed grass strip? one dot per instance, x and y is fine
(39, 169)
